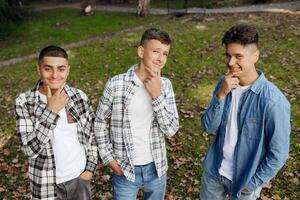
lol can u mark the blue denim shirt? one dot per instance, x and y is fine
(263, 134)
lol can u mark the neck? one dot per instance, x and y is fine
(141, 73)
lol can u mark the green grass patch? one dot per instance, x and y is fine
(60, 27)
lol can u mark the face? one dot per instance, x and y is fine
(154, 55)
(53, 71)
(240, 59)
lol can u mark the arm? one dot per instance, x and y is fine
(277, 130)
(92, 154)
(165, 111)
(211, 119)
(101, 124)
(33, 135)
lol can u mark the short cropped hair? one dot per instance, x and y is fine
(155, 34)
(241, 34)
(52, 51)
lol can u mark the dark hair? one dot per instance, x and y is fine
(155, 34)
(241, 34)
(53, 51)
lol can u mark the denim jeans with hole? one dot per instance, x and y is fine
(146, 179)
(216, 188)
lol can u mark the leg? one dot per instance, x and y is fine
(212, 188)
(83, 191)
(124, 189)
(154, 187)
(61, 191)
(251, 195)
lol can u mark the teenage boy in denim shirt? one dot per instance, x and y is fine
(135, 113)
(250, 119)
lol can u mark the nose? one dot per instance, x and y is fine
(54, 74)
(160, 57)
(231, 61)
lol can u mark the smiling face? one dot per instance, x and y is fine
(240, 59)
(53, 71)
(153, 55)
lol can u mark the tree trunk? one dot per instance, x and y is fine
(143, 8)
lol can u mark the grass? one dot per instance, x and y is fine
(60, 27)
(194, 66)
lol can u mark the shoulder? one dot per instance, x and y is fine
(24, 97)
(272, 94)
(75, 92)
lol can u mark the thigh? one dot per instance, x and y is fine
(83, 191)
(251, 195)
(211, 188)
(61, 191)
(123, 189)
(156, 188)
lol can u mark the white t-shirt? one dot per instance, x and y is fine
(231, 134)
(140, 115)
(69, 154)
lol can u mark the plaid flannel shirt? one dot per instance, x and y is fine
(35, 124)
(113, 128)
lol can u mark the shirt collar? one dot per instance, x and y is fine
(129, 76)
(256, 87)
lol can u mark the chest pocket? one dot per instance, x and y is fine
(252, 128)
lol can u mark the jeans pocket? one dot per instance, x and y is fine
(246, 193)
(84, 179)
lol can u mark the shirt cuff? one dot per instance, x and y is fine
(158, 103)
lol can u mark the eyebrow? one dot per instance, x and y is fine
(61, 66)
(235, 54)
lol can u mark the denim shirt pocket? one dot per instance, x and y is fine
(252, 128)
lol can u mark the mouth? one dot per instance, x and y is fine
(234, 69)
(54, 81)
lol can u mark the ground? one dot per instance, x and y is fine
(194, 65)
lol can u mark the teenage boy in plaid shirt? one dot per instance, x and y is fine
(136, 111)
(55, 128)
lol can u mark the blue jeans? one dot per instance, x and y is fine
(218, 187)
(146, 178)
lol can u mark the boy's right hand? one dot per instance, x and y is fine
(116, 168)
(229, 82)
(56, 101)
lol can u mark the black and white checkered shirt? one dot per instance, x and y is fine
(35, 124)
(113, 128)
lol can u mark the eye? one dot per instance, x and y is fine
(62, 69)
(47, 69)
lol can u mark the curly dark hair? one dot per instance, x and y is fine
(242, 34)
(155, 34)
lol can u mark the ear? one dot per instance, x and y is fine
(256, 56)
(38, 69)
(68, 69)
(140, 51)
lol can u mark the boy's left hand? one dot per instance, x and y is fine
(153, 83)
(86, 175)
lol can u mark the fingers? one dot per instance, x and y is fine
(159, 73)
(60, 90)
(48, 91)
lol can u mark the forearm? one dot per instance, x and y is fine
(211, 119)
(166, 114)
